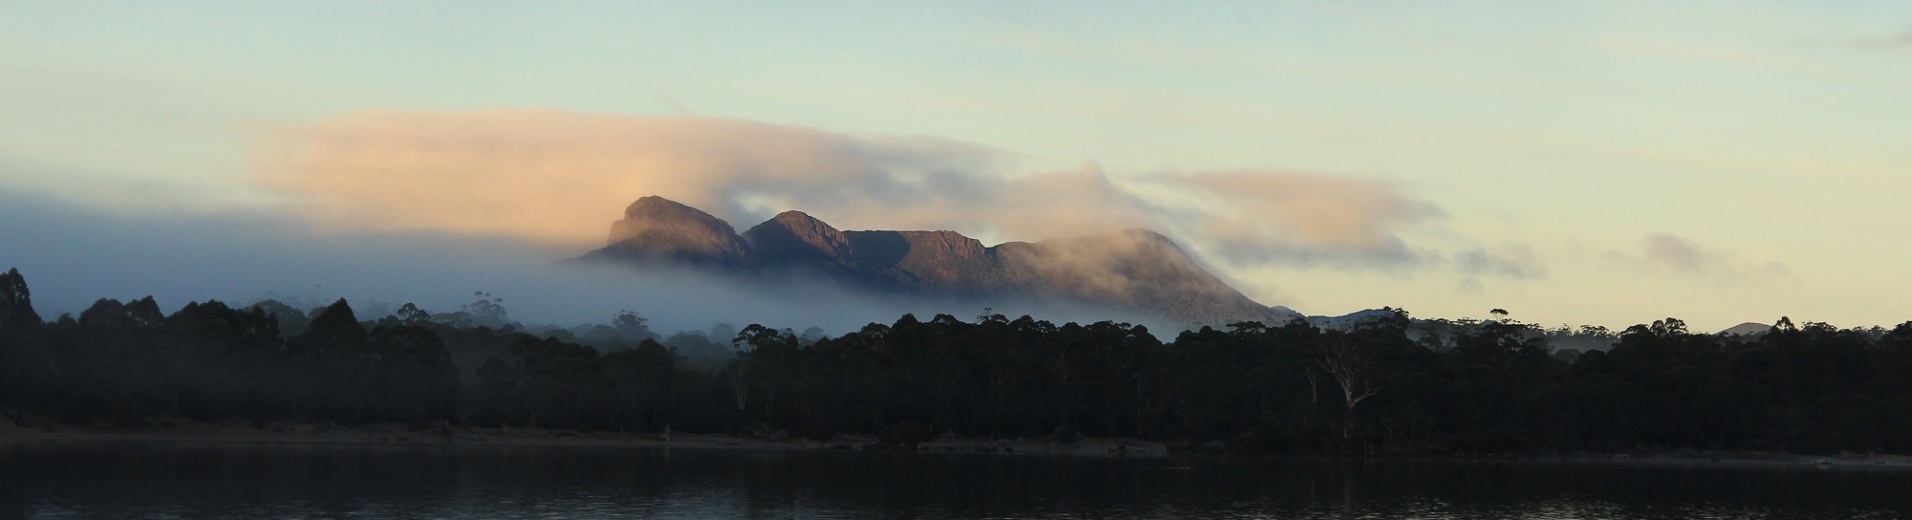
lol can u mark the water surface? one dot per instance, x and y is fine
(154, 479)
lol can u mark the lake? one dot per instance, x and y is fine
(159, 479)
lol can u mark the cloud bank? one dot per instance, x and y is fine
(1252, 217)
(560, 177)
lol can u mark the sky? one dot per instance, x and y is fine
(1603, 163)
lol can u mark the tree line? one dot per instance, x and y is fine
(1388, 385)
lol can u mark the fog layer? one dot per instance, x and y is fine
(74, 256)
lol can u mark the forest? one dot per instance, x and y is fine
(1394, 385)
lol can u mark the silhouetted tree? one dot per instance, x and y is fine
(1388, 385)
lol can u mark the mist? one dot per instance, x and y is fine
(73, 256)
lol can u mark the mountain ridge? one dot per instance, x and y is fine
(1134, 269)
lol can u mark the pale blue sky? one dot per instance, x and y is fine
(1772, 138)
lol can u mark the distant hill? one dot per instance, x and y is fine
(1350, 320)
(1748, 329)
(1134, 269)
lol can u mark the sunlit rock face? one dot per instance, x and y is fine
(1135, 270)
(656, 229)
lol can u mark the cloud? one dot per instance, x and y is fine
(1895, 41)
(1253, 217)
(1516, 262)
(555, 176)
(1680, 255)
(561, 177)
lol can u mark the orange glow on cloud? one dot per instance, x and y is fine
(560, 177)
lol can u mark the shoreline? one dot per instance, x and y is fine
(1720, 460)
(396, 435)
(402, 435)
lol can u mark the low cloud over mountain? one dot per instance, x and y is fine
(1131, 270)
(550, 176)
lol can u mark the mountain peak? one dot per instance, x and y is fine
(656, 228)
(795, 237)
(654, 206)
(794, 216)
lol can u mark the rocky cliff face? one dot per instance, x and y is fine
(1137, 269)
(658, 230)
(797, 237)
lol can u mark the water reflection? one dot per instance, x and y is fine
(82, 479)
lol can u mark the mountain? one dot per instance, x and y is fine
(1136, 270)
(1350, 320)
(1748, 329)
(659, 230)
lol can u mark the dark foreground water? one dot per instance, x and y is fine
(98, 479)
